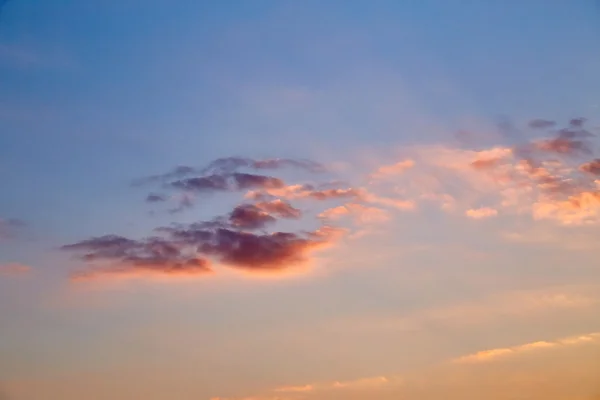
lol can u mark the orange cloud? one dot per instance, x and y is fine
(540, 178)
(493, 354)
(295, 389)
(578, 209)
(361, 383)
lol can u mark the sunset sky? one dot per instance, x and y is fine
(299, 200)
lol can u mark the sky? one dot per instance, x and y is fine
(299, 200)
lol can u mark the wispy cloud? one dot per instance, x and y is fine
(502, 352)
(295, 389)
(298, 392)
(441, 373)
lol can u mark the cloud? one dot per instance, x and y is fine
(295, 389)
(541, 124)
(155, 198)
(542, 177)
(441, 376)
(494, 354)
(10, 227)
(238, 239)
(592, 167)
(261, 214)
(367, 383)
(14, 269)
(229, 165)
(306, 191)
(312, 192)
(564, 145)
(265, 252)
(236, 181)
(569, 141)
(280, 208)
(481, 213)
(361, 383)
(128, 257)
(186, 249)
(248, 216)
(578, 209)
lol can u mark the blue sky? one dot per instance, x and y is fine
(94, 95)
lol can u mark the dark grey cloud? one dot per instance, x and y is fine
(156, 198)
(209, 183)
(152, 254)
(232, 164)
(185, 249)
(541, 124)
(228, 182)
(229, 165)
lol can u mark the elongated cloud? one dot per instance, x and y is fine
(228, 182)
(187, 249)
(128, 257)
(495, 354)
(155, 198)
(306, 191)
(295, 389)
(541, 124)
(291, 392)
(312, 192)
(229, 165)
